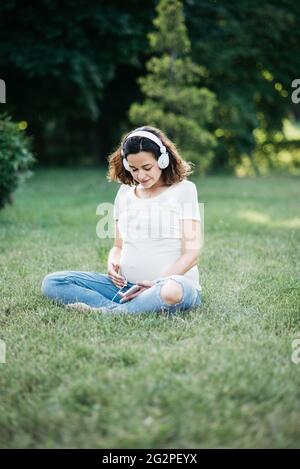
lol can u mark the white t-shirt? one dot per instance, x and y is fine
(151, 230)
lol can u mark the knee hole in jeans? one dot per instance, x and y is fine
(171, 292)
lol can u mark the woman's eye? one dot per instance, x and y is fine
(147, 169)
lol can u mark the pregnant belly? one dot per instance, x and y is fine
(146, 264)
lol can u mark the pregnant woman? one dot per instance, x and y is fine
(157, 235)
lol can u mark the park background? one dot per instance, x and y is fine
(219, 78)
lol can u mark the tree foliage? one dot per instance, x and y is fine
(16, 157)
(174, 100)
(58, 60)
(71, 67)
(251, 52)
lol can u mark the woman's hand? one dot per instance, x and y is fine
(112, 270)
(144, 285)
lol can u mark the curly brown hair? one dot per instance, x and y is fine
(178, 168)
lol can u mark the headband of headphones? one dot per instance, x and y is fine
(144, 133)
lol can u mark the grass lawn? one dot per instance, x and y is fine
(220, 376)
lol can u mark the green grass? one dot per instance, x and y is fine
(220, 376)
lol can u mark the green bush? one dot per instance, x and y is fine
(15, 157)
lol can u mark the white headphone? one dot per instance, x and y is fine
(163, 160)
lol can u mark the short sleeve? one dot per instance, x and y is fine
(117, 202)
(189, 203)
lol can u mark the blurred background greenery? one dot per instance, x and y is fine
(214, 75)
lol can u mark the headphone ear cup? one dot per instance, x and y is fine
(163, 160)
(126, 164)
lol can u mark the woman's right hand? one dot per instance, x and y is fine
(112, 271)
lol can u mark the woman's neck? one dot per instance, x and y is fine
(151, 192)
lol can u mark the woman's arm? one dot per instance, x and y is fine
(115, 252)
(113, 261)
(190, 252)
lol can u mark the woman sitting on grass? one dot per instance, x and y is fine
(157, 235)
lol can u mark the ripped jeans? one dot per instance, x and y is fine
(97, 291)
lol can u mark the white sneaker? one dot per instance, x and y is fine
(82, 307)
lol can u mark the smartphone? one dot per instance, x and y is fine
(132, 289)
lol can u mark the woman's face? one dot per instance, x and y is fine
(144, 168)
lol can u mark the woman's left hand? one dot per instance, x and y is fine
(144, 285)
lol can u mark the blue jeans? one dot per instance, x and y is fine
(98, 291)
